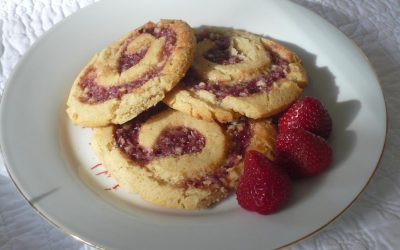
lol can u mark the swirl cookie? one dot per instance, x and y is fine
(132, 74)
(177, 161)
(238, 73)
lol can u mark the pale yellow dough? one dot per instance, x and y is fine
(105, 64)
(254, 52)
(160, 180)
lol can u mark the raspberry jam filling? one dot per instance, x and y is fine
(179, 140)
(246, 88)
(128, 60)
(94, 93)
(222, 57)
(220, 52)
(239, 133)
(173, 141)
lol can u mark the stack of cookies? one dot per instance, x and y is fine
(174, 109)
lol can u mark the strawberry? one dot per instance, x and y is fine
(302, 153)
(264, 187)
(307, 113)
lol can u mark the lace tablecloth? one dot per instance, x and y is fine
(373, 222)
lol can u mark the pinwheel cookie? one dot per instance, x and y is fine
(177, 161)
(238, 73)
(132, 74)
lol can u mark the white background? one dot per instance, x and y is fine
(373, 222)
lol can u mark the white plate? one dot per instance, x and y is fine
(50, 161)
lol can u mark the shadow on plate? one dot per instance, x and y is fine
(322, 84)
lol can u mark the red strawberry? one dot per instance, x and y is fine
(302, 153)
(307, 113)
(264, 187)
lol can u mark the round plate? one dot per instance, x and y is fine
(52, 164)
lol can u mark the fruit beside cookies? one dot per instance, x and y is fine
(301, 151)
(185, 117)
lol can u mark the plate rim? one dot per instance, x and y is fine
(79, 238)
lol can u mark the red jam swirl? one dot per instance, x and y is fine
(239, 133)
(128, 60)
(220, 52)
(94, 93)
(180, 140)
(245, 88)
(173, 141)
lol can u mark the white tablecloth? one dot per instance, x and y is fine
(373, 222)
